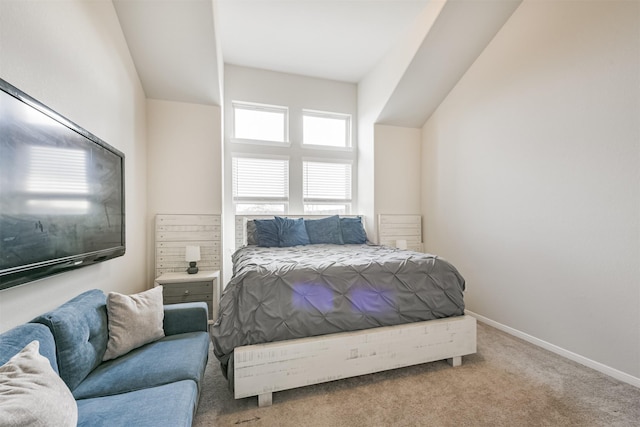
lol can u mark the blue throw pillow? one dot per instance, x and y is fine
(325, 230)
(352, 231)
(291, 232)
(267, 231)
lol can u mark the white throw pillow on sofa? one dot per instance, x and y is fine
(32, 394)
(133, 320)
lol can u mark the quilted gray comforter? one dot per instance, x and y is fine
(284, 293)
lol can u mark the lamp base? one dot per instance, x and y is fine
(192, 268)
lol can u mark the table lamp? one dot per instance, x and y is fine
(192, 255)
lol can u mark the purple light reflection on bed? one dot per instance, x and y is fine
(317, 297)
(312, 296)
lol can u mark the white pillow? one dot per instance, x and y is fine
(32, 394)
(133, 320)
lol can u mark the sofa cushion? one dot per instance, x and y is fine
(133, 320)
(173, 358)
(167, 405)
(32, 394)
(14, 340)
(79, 328)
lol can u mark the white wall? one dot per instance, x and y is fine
(531, 180)
(72, 56)
(374, 91)
(397, 170)
(184, 162)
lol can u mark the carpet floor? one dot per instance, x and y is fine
(508, 382)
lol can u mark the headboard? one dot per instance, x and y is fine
(241, 224)
(405, 229)
(175, 232)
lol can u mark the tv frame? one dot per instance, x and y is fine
(22, 274)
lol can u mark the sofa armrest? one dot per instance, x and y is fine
(185, 317)
(14, 340)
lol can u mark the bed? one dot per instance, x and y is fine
(333, 308)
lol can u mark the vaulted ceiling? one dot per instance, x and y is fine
(179, 46)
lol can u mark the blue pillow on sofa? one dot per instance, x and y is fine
(267, 231)
(325, 230)
(352, 231)
(291, 232)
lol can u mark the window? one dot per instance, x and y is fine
(260, 185)
(326, 187)
(326, 129)
(260, 122)
(289, 161)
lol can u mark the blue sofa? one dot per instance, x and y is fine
(157, 384)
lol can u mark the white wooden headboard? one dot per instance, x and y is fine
(395, 228)
(175, 232)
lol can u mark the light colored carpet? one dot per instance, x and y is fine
(508, 382)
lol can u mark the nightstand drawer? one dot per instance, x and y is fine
(186, 289)
(181, 287)
(187, 298)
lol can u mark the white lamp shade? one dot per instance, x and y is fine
(192, 253)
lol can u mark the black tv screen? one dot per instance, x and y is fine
(61, 193)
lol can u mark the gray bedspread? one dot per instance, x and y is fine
(283, 293)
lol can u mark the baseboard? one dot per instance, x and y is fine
(607, 370)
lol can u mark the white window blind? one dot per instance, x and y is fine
(260, 185)
(326, 182)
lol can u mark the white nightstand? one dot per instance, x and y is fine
(184, 287)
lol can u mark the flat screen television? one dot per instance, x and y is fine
(61, 193)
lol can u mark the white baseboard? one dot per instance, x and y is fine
(607, 370)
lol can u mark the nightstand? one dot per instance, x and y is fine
(184, 287)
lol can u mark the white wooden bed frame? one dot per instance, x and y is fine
(262, 369)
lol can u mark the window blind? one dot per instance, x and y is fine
(324, 181)
(256, 179)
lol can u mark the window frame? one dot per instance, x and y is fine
(329, 115)
(297, 153)
(254, 106)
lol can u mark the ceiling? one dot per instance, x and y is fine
(332, 39)
(179, 46)
(174, 48)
